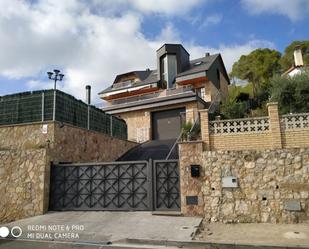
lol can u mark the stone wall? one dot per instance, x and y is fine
(22, 181)
(26, 153)
(270, 182)
(25, 136)
(73, 144)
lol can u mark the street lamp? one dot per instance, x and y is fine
(55, 76)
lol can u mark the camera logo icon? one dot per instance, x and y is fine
(16, 232)
(4, 232)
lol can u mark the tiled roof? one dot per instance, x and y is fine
(150, 76)
(200, 65)
(147, 77)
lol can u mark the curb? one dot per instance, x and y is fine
(207, 245)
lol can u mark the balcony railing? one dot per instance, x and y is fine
(122, 84)
(159, 94)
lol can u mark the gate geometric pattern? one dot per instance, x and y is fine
(111, 186)
(167, 193)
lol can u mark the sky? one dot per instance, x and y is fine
(91, 41)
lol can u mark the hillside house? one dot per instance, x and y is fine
(155, 103)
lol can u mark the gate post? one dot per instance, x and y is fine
(150, 177)
(192, 199)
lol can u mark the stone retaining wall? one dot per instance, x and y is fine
(26, 153)
(270, 182)
(22, 182)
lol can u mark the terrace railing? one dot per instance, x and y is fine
(295, 121)
(158, 94)
(246, 125)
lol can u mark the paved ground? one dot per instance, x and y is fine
(257, 234)
(106, 226)
(18, 244)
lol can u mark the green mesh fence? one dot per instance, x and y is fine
(70, 110)
(29, 107)
(100, 121)
(21, 108)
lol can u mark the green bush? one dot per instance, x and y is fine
(291, 93)
(231, 109)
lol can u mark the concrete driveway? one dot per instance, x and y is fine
(103, 227)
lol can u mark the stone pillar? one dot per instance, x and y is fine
(191, 153)
(205, 128)
(274, 123)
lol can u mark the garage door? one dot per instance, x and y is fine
(166, 124)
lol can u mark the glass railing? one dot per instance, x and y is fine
(158, 94)
(122, 84)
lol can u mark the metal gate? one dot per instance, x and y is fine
(123, 186)
(166, 185)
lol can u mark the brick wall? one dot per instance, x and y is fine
(271, 132)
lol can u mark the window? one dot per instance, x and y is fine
(201, 92)
(218, 74)
(168, 67)
(198, 63)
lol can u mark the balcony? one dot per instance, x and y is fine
(155, 95)
(122, 84)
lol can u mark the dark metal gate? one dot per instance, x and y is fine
(166, 185)
(123, 186)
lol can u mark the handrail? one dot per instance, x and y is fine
(194, 124)
(173, 147)
(215, 101)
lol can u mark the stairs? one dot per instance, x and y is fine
(155, 150)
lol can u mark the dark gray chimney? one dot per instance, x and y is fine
(207, 54)
(88, 94)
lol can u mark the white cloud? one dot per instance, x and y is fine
(293, 9)
(230, 53)
(89, 48)
(211, 20)
(166, 7)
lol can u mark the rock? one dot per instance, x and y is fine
(250, 165)
(241, 207)
(228, 209)
(265, 217)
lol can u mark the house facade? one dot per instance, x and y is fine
(155, 103)
(298, 66)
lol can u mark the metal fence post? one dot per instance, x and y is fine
(150, 184)
(54, 106)
(88, 117)
(43, 105)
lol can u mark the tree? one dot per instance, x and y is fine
(287, 60)
(291, 93)
(258, 67)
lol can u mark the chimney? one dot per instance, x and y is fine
(207, 54)
(88, 94)
(298, 58)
